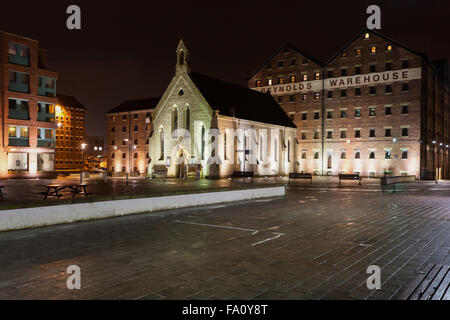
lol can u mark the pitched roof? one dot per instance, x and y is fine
(240, 102)
(136, 105)
(69, 101)
(287, 45)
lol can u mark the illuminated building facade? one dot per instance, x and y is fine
(375, 108)
(70, 133)
(255, 133)
(128, 130)
(27, 99)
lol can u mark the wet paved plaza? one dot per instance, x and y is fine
(315, 243)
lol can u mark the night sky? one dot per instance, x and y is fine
(126, 49)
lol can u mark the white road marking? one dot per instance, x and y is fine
(253, 231)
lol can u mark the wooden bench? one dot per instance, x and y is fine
(300, 175)
(160, 169)
(350, 177)
(242, 174)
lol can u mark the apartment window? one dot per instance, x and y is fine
(303, 154)
(343, 93)
(405, 87)
(280, 80)
(372, 112)
(292, 79)
(405, 64)
(305, 97)
(316, 95)
(293, 61)
(113, 129)
(124, 155)
(366, 35)
(343, 72)
(12, 49)
(280, 64)
(330, 74)
(269, 82)
(135, 128)
(316, 115)
(373, 49)
(387, 132)
(113, 142)
(344, 54)
(304, 116)
(357, 113)
(343, 155)
(135, 116)
(388, 88)
(113, 155)
(405, 109)
(124, 117)
(343, 114)
(329, 114)
(113, 118)
(292, 116)
(343, 134)
(258, 83)
(316, 135)
(388, 48)
(124, 129)
(357, 154)
(135, 141)
(291, 98)
(371, 154)
(387, 154)
(147, 155)
(317, 75)
(135, 155)
(388, 66)
(330, 94)
(373, 68)
(303, 135)
(387, 111)
(357, 133)
(404, 132)
(316, 155)
(372, 90)
(358, 52)
(357, 92)
(404, 154)
(280, 99)
(357, 70)
(305, 61)
(372, 133)
(305, 77)
(329, 134)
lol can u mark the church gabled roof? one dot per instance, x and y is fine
(240, 102)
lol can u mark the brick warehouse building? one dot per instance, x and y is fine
(376, 107)
(27, 99)
(70, 133)
(128, 131)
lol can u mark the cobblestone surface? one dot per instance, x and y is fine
(316, 243)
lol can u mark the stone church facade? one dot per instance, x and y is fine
(217, 127)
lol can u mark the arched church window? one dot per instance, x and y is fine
(174, 119)
(181, 58)
(203, 142)
(161, 144)
(188, 119)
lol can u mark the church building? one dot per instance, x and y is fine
(216, 127)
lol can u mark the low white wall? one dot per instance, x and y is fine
(50, 215)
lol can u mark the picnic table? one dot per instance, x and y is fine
(54, 190)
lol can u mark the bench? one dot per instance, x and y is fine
(160, 169)
(242, 174)
(300, 175)
(350, 177)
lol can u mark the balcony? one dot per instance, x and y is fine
(46, 143)
(18, 114)
(46, 117)
(19, 142)
(19, 87)
(22, 61)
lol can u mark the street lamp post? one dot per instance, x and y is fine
(83, 146)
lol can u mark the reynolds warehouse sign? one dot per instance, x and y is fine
(343, 82)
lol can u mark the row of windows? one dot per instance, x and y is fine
(135, 116)
(135, 129)
(357, 154)
(125, 142)
(357, 133)
(357, 113)
(135, 169)
(68, 162)
(124, 155)
(343, 93)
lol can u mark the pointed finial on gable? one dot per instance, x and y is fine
(182, 65)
